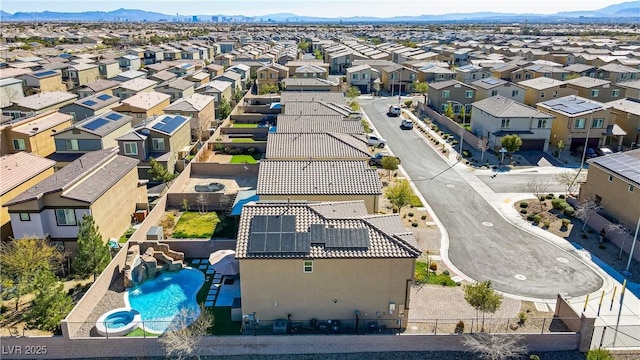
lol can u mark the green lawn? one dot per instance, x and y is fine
(127, 234)
(424, 276)
(242, 140)
(195, 225)
(415, 201)
(245, 126)
(245, 159)
(140, 333)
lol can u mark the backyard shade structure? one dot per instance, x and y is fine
(225, 262)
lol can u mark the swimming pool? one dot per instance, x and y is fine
(161, 300)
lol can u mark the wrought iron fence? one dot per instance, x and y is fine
(622, 336)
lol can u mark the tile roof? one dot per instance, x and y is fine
(488, 83)
(439, 85)
(629, 105)
(195, 102)
(385, 237)
(308, 82)
(318, 124)
(146, 100)
(317, 108)
(541, 83)
(317, 178)
(85, 179)
(501, 107)
(102, 84)
(316, 145)
(624, 164)
(287, 97)
(20, 167)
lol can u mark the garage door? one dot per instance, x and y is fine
(532, 144)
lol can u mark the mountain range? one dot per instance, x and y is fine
(628, 10)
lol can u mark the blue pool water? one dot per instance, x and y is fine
(161, 300)
(118, 320)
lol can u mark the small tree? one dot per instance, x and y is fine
(317, 54)
(463, 114)
(224, 108)
(268, 89)
(448, 112)
(183, 340)
(482, 298)
(352, 93)
(50, 304)
(376, 87)
(400, 194)
(303, 45)
(537, 187)
(560, 145)
(566, 178)
(390, 163)
(586, 210)
(422, 88)
(93, 253)
(238, 94)
(22, 260)
(512, 143)
(159, 172)
(483, 145)
(203, 203)
(495, 346)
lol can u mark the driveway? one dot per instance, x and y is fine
(482, 244)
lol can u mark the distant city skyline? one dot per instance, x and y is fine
(326, 8)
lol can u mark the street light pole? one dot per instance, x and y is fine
(633, 247)
(586, 142)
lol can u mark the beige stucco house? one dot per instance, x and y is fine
(324, 261)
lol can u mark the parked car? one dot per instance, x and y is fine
(376, 160)
(604, 151)
(376, 141)
(589, 154)
(394, 110)
(406, 124)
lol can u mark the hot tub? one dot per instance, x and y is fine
(211, 187)
(118, 322)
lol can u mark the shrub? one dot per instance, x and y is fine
(408, 103)
(522, 316)
(446, 272)
(459, 327)
(569, 211)
(530, 217)
(523, 211)
(524, 204)
(537, 219)
(433, 266)
(415, 224)
(566, 222)
(599, 354)
(556, 203)
(534, 357)
(410, 214)
(561, 197)
(546, 223)
(423, 217)
(550, 196)
(218, 146)
(466, 153)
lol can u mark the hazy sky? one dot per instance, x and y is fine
(325, 8)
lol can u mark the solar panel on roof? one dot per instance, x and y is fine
(114, 116)
(89, 102)
(169, 124)
(96, 124)
(104, 97)
(44, 73)
(491, 81)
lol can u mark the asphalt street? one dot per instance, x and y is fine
(516, 183)
(482, 244)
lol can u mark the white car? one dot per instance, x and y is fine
(406, 124)
(376, 141)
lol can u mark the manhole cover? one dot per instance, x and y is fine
(486, 223)
(562, 260)
(520, 277)
(450, 186)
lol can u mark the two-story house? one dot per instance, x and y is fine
(129, 88)
(99, 86)
(153, 55)
(218, 89)
(456, 93)
(579, 122)
(488, 87)
(596, 89)
(41, 102)
(129, 62)
(398, 79)
(362, 77)
(144, 105)
(625, 113)
(33, 134)
(615, 72)
(128, 75)
(497, 116)
(434, 71)
(82, 74)
(20, 171)
(183, 69)
(270, 74)
(163, 139)
(201, 109)
(177, 89)
(101, 183)
(43, 81)
(542, 89)
(93, 105)
(109, 68)
(198, 78)
(470, 73)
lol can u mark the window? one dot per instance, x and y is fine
(542, 123)
(597, 123)
(473, 77)
(594, 93)
(630, 188)
(515, 93)
(468, 94)
(130, 148)
(158, 143)
(445, 94)
(25, 217)
(443, 108)
(71, 144)
(541, 94)
(518, 76)
(66, 217)
(412, 76)
(494, 92)
(527, 76)
(308, 266)
(139, 115)
(615, 93)
(18, 144)
(261, 75)
(610, 178)
(505, 123)
(354, 77)
(365, 76)
(580, 123)
(555, 94)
